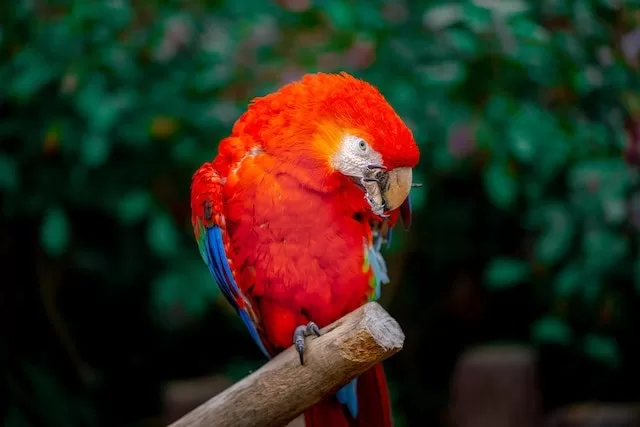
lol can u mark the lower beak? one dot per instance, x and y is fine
(397, 192)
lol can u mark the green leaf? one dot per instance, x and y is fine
(162, 236)
(505, 272)
(569, 45)
(59, 39)
(522, 144)
(585, 18)
(477, 18)
(500, 185)
(588, 79)
(211, 78)
(505, 8)
(133, 206)
(32, 78)
(369, 17)
(527, 30)
(617, 76)
(551, 329)
(54, 233)
(95, 150)
(497, 107)
(462, 41)
(442, 16)
(557, 231)
(402, 95)
(525, 132)
(569, 280)
(602, 348)
(340, 14)
(99, 107)
(104, 115)
(551, 156)
(120, 14)
(558, 8)
(616, 4)
(604, 249)
(443, 73)
(591, 179)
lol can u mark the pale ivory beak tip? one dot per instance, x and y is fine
(400, 181)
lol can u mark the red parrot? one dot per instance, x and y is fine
(290, 217)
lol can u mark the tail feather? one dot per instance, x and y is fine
(374, 407)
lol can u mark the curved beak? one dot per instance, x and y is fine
(387, 190)
(397, 191)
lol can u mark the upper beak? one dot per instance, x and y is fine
(387, 190)
(400, 180)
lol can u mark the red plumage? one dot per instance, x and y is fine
(373, 397)
(294, 231)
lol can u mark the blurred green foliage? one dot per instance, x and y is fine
(528, 117)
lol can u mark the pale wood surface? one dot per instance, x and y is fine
(282, 389)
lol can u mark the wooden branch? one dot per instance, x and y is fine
(282, 389)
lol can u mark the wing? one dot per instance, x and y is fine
(213, 242)
(381, 233)
(374, 262)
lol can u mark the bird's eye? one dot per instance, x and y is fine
(362, 145)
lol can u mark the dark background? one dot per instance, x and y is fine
(527, 113)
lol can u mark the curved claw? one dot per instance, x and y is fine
(300, 333)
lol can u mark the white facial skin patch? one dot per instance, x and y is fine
(354, 156)
(384, 190)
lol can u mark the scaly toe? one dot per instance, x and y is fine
(299, 335)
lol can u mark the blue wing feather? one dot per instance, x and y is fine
(216, 259)
(212, 264)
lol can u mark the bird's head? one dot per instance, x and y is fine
(340, 128)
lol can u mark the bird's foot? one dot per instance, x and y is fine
(300, 333)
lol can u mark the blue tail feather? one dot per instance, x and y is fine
(348, 395)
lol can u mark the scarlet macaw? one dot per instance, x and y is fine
(291, 214)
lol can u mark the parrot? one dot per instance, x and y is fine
(292, 213)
